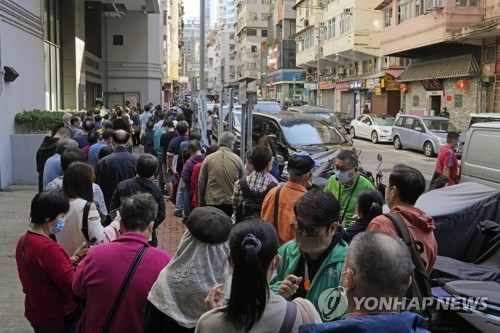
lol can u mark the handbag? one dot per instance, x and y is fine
(123, 289)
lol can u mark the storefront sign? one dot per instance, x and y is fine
(356, 85)
(326, 85)
(371, 84)
(310, 86)
(342, 86)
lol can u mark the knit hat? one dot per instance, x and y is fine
(209, 225)
(301, 163)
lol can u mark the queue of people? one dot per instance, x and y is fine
(255, 256)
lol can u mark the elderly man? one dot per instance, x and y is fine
(116, 167)
(218, 174)
(313, 261)
(105, 268)
(52, 168)
(346, 184)
(300, 172)
(376, 275)
(406, 184)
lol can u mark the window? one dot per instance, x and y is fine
(52, 53)
(419, 7)
(117, 39)
(418, 124)
(409, 122)
(251, 32)
(468, 3)
(254, 49)
(263, 33)
(416, 100)
(388, 17)
(490, 53)
(309, 39)
(345, 24)
(330, 30)
(404, 10)
(457, 101)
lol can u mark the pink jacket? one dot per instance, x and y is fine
(100, 275)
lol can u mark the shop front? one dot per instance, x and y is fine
(327, 94)
(385, 94)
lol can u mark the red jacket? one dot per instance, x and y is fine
(194, 183)
(100, 275)
(47, 285)
(420, 226)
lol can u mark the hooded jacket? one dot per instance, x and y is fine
(420, 226)
(404, 322)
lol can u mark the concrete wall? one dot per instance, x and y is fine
(21, 47)
(136, 66)
(24, 148)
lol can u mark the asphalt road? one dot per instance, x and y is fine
(391, 157)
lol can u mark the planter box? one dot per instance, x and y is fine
(23, 154)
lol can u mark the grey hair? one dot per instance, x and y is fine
(382, 264)
(227, 139)
(64, 144)
(138, 211)
(67, 117)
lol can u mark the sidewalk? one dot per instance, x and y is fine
(14, 214)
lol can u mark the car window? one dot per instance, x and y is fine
(399, 122)
(360, 118)
(382, 120)
(440, 126)
(268, 107)
(367, 121)
(417, 123)
(300, 132)
(409, 123)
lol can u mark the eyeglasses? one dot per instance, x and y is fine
(311, 230)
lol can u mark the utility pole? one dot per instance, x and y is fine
(317, 66)
(220, 127)
(202, 110)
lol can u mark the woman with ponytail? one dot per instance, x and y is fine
(368, 207)
(252, 307)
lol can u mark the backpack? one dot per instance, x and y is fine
(421, 283)
(251, 205)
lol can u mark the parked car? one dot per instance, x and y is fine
(376, 127)
(424, 133)
(225, 111)
(267, 106)
(291, 103)
(480, 160)
(345, 119)
(483, 118)
(324, 113)
(294, 132)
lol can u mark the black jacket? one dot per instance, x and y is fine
(46, 150)
(136, 185)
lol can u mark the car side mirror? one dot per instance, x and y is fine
(419, 129)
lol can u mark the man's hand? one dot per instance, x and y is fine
(289, 286)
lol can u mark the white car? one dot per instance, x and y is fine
(376, 127)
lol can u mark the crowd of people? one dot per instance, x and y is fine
(256, 256)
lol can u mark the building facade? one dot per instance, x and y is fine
(71, 53)
(445, 69)
(172, 25)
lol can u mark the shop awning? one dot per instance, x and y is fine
(384, 72)
(460, 66)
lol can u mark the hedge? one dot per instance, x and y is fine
(41, 121)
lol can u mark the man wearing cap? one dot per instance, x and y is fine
(283, 199)
(346, 184)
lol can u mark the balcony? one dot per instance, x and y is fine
(405, 37)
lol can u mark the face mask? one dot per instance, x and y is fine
(59, 226)
(342, 176)
(313, 245)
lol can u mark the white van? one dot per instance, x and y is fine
(483, 118)
(481, 155)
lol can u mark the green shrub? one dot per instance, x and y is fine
(41, 121)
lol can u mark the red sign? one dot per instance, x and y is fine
(342, 86)
(271, 87)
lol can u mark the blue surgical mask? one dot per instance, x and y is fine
(59, 227)
(342, 176)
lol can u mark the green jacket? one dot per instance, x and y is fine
(342, 193)
(328, 275)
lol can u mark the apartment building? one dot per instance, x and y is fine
(210, 69)
(173, 10)
(68, 54)
(282, 79)
(445, 68)
(225, 56)
(338, 43)
(251, 29)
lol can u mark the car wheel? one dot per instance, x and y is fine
(428, 149)
(374, 137)
(397, 143)
(352, 133)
